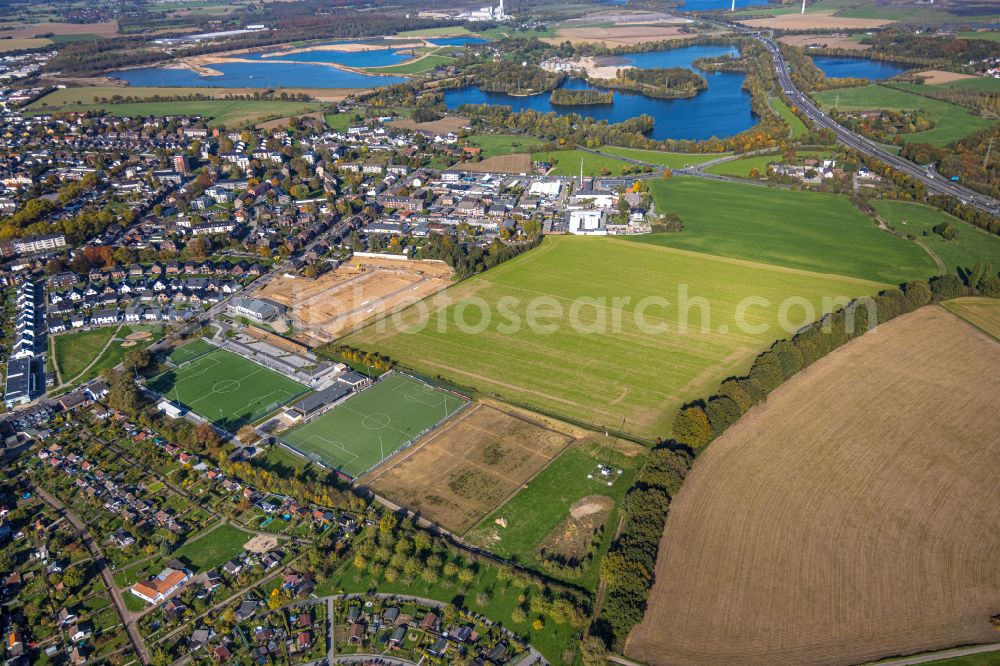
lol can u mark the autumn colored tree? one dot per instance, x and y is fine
(692, 428)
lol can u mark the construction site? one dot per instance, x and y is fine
(344, 299)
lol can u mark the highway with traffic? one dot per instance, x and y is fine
(935, 183)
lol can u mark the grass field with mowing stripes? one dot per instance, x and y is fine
(226, 389)
(589, 356)
(191, 351)
(357, 434)
(807, 230)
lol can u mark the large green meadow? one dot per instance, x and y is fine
(568, 163)
(664, 159)
(416, 66)
(504, 144)
(795, 124)
(971, 245)
(806, 230)
(605, 339)
(951, 122)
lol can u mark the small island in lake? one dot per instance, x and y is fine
(563, 97)
(659, 82)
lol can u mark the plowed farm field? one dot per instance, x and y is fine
(855, 515)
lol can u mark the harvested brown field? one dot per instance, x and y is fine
(464, 470)
(855, 515)
(343, 299)
(935, 76)
(441, 126)
(515, 164)
(19, 43)
(620, 35)
(981, 312)
(18, 30)
(824, 41)
(815, 21)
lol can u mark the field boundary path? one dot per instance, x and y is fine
(102, 567)
(938, 656)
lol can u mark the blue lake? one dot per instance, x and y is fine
(858, 68)
(276, 72)
(722, 110)
(257, 75)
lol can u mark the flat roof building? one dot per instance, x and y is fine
(254, 309)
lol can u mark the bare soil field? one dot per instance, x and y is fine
(855, 515)
(23, 30)
(815, 21)
(261, 543)
(343, 299)
(441, 126)
(461, 472)
(981, 312)
(824, 41)
(515, 164)
(935, 76)
(571, 539)
(620, 35)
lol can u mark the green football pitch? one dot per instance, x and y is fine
(223, 387)
(191, 351)
(356, 435)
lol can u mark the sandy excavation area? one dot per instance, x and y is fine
(620, 35)
(815, 21)
(401, 43)
(344, 299)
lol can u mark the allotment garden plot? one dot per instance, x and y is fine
(223, 387)
(356, 435)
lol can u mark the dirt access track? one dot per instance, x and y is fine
(854, 516)
(340, 301)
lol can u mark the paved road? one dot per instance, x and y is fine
(102, 568)
(935, 184)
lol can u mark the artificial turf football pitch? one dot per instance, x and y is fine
(357, 434)
(223, 387)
